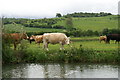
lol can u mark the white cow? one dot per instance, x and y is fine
(55, 38)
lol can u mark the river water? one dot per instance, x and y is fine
(60, 70)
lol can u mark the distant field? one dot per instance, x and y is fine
(83, 23)
(19, 28)
(93, 23)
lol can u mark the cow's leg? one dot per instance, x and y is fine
(15, 45)
(47, 47)
(62, 46)
(115, 42)
(108, 41)
(35, 42)
(104, 40)
(39, 45)
(30, 41)
(44, 45)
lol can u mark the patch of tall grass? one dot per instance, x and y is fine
(27, 53)
(72, 55)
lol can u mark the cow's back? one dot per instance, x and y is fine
(15, 36)
(54, 37)
(39, 38)
(113, 36)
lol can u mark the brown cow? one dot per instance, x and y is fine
(102, 38)
(15, 37)
(38, 39)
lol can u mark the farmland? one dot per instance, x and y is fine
(83, 48)
(83, 23)
(79, 51)
(18, 28)
(93, 23)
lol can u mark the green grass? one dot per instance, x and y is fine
(19, 28)
(84, 38)
(96, 45)
(83, 23)
(90, 51)
(94, 23)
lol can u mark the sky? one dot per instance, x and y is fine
(49, 8)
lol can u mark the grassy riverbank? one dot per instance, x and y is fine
(81, 51)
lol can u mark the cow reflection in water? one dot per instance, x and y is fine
(15, 38)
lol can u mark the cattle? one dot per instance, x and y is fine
(38, 39)
(102, 38)
(115, 37)
(55, 38)
(31, 39)
(15, 38)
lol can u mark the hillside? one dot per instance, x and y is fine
(83, 23)
(93, 23)
(19, 28)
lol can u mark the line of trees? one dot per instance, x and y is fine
(49, 22)
(37, 23)
(81, 14)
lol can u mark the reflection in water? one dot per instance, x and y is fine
(60, 71)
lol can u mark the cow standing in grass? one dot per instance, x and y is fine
(38, 39)
(15, 38)
(102, 38)
(55, 38)
(115, 37)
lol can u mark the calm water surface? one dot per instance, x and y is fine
(55, 70)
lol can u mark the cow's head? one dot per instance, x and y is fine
(67, 40)
(31, 38)
(25, 36)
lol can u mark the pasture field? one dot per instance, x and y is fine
(84, 49)
(90, 51)
(19, 28)
(94, 23)
(80, 50)
(83, 23)
(95, 45)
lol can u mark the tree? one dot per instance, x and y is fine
(69, 23)
(58, 15)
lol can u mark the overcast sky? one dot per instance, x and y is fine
(49, 8)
